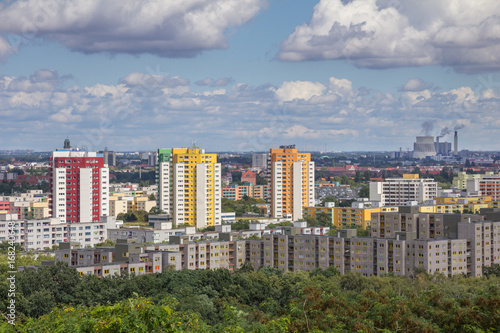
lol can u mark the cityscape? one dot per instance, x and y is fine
(249, 166)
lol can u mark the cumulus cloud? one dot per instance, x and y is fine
(166, 112)
(5, 49)
(381, 34)
(416, 85)
(290, 91)
(164, 28)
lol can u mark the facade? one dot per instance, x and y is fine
(237, 192)
(250, 177)
(139, 259)
(347, 217)
(39, 234)
(262, 192)
(109, 157)
(79, 186)
(490, 186)
(460, 180)
(189, 186)
(472, 242)
(292, 182)
(259, 160)
(4, 207)
(400, 191)
(401, 244)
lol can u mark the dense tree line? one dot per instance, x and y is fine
(147, 177)
(56, 298)
(7, 187)
(240, 207)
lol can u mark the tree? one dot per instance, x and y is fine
(152, 197)
(154, 211)
(107, 242)
(329, 199)
(364, 192)
(324, 220)
(363, 232)
(236, 175)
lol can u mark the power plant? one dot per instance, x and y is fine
(442, 148)
(426, 147)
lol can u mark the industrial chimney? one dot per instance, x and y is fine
(456, 144)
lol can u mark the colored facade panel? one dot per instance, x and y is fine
(79, 185)
(189, 186)
(292, 182)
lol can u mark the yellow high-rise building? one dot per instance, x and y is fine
(292, 182)
(348, 217)
(189, 186)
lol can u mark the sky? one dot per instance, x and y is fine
(248, 75)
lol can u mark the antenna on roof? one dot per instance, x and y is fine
(194, 143)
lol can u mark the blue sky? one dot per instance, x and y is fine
(248, 74)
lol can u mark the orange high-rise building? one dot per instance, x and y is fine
(292, 182)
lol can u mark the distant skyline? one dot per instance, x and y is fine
(248, 75)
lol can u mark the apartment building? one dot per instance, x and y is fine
(4, 207)
(483, 244)
(467, 247)
(189, 186)
(346, 217)
(461, 179)
(259, 160)
(400, 191)
(237, 192)
(292, 182)
(490, 186)
(262, 192)
(139, 259)
(79, 185)
(39, 234)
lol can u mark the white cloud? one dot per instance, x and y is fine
(174, 28)
(416, 85)
(6, 49)
(380, 34)
(240, 116)
(65, 116)
(299, 90)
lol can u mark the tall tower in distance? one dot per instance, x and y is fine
(455, 144)
(79, 185)
(292, 182)
(189, 186)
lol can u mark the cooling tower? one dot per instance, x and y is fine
(424, 147)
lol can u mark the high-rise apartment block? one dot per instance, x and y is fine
(259, 160)
(79, 185)
(292, 182)
(400, 191)
(189, 186)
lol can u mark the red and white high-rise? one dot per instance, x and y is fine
(79, 185)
